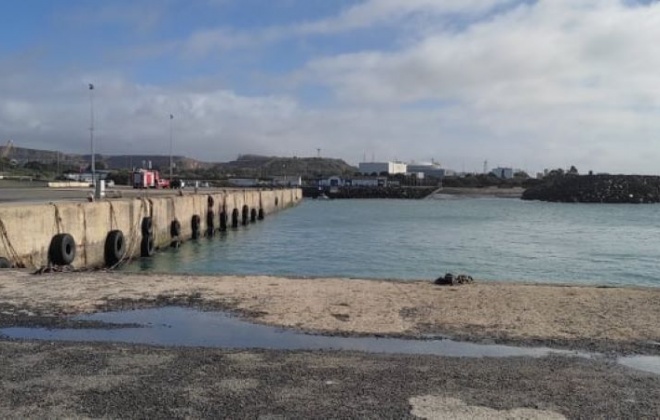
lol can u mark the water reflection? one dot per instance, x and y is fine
(175, 326)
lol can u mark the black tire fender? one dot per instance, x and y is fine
(4, 263)
(147, 226)
(223, 220)
(210, 221)
(175, 228)
(115, 247)
(148, 246)
(195, 224)
(62, 249)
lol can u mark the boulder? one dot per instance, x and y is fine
(464, 279)
(447, 280)
(451, 280)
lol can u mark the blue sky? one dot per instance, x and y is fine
(530, 84)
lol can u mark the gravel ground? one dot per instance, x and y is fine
(55, 380)
(590, 318)
(41, 379)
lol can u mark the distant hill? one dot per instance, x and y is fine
(244, 166)
(24, 155)
(157, 161)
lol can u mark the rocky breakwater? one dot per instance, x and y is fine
(597, 189)
(411, 193)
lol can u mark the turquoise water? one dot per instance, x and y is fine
(490, 239)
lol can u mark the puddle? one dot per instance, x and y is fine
(175, 326)
(644, 363)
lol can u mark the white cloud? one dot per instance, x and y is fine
(140, 15)
(377, 12)
(546, 46)
(363, 15)
(209, 125)
(207, 41)
(544, 84)
(574, 79)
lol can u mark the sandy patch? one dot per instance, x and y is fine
(504, 310)
(136, 363)
(56, 383)
(441, 408)
(245, 358)
(234, 385)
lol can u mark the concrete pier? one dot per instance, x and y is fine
(27, 231)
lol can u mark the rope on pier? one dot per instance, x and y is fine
(9, 248)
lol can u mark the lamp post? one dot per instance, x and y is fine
(171, 147)
(91, 131)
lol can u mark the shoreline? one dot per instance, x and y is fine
(485, 192)
(594, 318)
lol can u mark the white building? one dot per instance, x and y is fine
(287, 181)
(391, 168)
(503, 173)
(333, 181)
(366, 182)
(428, 169)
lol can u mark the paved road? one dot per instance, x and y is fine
(55, 380)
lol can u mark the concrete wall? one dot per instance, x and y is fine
(68, 184)
(26, 230)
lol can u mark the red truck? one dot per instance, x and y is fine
(148, 178)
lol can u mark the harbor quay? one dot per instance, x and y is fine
(108, 232)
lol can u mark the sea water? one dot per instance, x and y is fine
(490, 239)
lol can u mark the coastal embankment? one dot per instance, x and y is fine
(110, 231)
(570, 188)
(594, 318)
(485, 192)
(391, 192)
(412, 193)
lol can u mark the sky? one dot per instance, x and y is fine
(521, 83)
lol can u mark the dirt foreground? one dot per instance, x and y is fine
(500, 311)
(45, 380)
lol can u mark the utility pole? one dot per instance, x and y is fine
(171, 148)
(91, 131)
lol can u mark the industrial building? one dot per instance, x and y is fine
(503, 173)
(391, 168)
(432, 169)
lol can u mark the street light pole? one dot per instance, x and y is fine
(91, 131)
(171, 147)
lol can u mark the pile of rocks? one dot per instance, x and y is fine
(450, 280)
(597, 189)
